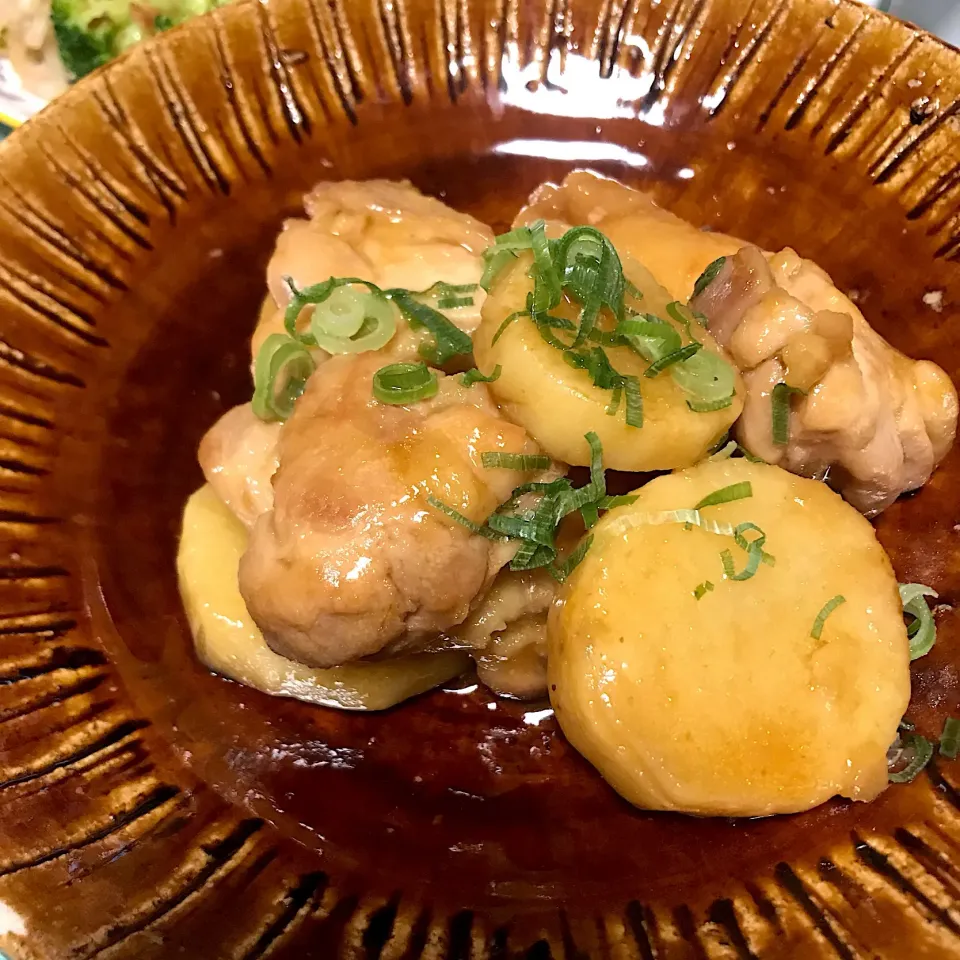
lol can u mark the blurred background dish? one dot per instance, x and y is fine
(48, 44)
(941, 17)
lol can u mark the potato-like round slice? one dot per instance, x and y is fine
(229, 642)
(727, 704)
(558, 404)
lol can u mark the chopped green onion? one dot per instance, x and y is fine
(515, 461)
(344, 319)
(477, 528)
(742, 528)
(454, 303)
(494, 264)
(912, 597)
(919, 750)
(631, 389)
(530, 556)
(547, 292)
(506, 323)
(453, 514)
(584, 264)
(475, 376)
(623, 500)
(708, 378)
(652, 338)
(315, 293)
(562, 323)
(678, 356)
(730, 571)
(675, 308)
(699, 406)
(443, 289)
(614, 405)
(596, 489)
(602, 374)
(754, 551)
(342, 314)
(590, 514)
(590, 270)
(725, 452)
(950, 738)
(708, 276)
(817, 629)
(736, 491)
(534, 528)
(561, 571)
(747, 455)
(780, 405)
(738, 535)
(605, 337)
(592, 302)
(520, 238)
(403, 383)
(505, 248)
(686, 517)
(281, 371)
(701, 589)
(450, 340)
(601, 370)
(545, 325)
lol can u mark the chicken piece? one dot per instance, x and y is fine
(508, 633)
(674, 251)
(382, 231)
(871, 418)
(238, 456)
(387, 233)
(353, 560)
(876, 420)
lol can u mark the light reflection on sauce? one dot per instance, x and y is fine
(571, 151)
(533, 718)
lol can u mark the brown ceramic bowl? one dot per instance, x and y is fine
(153, 810)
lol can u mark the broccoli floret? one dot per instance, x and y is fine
(92, 32)
(83, 46)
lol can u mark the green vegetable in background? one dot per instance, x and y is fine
(90, 33)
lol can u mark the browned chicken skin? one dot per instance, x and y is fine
(507, 633)
(353, 561)
(238, 456)
(377, 230)
(872, 419)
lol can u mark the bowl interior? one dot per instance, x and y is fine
(458, 790)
